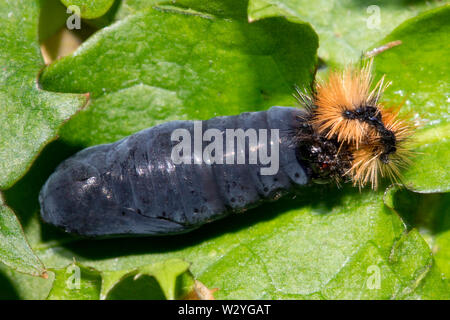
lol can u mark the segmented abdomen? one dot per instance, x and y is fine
(133, 186)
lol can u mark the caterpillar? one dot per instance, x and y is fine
(136, 186)
(372, 139)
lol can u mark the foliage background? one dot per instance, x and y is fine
(146, 62)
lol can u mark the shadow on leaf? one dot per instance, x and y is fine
(7, 290)
(423, 211)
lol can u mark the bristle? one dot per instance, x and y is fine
(367, 165)
(345, 91)
(304, 98)
(346, 112)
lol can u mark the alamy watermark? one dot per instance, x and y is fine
(374, 20)
(374, 280)
(73, 282)
(74, 21)
(236, 150)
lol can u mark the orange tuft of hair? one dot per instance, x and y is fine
(345, 91)
(347, 112)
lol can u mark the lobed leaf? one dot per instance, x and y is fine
(420, 72)
(14, 249)
(321, 243)
(346, 28)
(168, 279)
(180, 65)
(30, 117)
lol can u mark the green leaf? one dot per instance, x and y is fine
(441, 252)
(429, 213)
(346, 28)
(420, 72)
(29, 119)
(431, 160)
(432, 287)
(412, 258)
(76, 282)
(16, 285)
(14, 249)
(236, 9)
(168, 279)
(29, 116)
(320, 252)
(319, 245)
(90, 9)
(421, 77)
(167, 275)
(180, 65)
(323, 242)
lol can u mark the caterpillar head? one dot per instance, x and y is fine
(370, 139)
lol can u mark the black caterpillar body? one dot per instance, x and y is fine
(132, 187)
